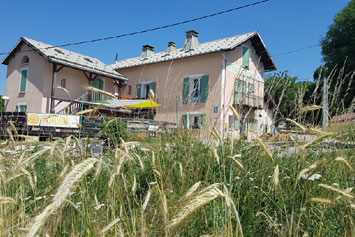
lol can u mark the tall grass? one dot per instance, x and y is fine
(174, 186)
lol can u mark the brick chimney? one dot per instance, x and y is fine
(147, 51)
(191, 40)
(171, 47)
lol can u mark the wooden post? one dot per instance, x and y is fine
(54, 74)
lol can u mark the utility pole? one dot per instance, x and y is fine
(325, 103)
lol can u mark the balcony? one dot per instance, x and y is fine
(248, 99)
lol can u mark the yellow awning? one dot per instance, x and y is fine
(146, 104)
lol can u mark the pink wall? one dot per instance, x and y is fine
(38, 93)
(34, 92)
(169, 78)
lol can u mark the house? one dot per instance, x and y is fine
(198, 83)
(42, 78)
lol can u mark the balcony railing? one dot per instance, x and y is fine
(248, 99)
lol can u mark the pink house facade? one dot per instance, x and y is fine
(198, 84)
(42, 78)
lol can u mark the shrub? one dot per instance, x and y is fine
(114, 130)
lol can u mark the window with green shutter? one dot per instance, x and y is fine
(204, 88)
(184, 120)
(252, 124)
(138, 89)
(203, 120)
(23, 80)
(246, 56)
(153, 86)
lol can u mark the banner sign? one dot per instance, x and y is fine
(53, 120)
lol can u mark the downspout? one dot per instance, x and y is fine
(223, 95)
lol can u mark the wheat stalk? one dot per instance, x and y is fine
(345, 162)
(297, 124)
(191, 191)
(6, 200)
(235, 113)
(275, 177)
(321, 201)
(313, 168)
(63, 191)
(88, 111)
(146, 199)
(318, 140)
(264, 147)
(236, 161)
(216, 154)
(90, 88)
(109, 226)
(309, 108)
(336, 190)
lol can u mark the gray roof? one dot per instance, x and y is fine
(204, 48)
(68, 58)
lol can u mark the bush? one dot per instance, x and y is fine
(114, 130)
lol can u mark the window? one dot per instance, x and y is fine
(252, 124)
(251, 87)
(246, 57)
(194, 120)
(143, 89)
(25, 60)
(130, 90)
(115, 91)
(99, 84)
(23, 79)
(21, 107)
(233, 123)
(195, 89)
(63, 83)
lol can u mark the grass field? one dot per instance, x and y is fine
(175, 185)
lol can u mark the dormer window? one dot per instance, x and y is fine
(25, 60)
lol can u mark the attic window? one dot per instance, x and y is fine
(59, 51)
(89, 60)
(25, 60)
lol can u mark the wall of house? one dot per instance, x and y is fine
(169, 78)
(76, 84)
(253, 74)
(32, 97)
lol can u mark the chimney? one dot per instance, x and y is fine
(171, 47)
(147, 51)
(191, 40)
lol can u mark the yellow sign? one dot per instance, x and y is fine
(53, 120)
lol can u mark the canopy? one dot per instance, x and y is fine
(145, 104)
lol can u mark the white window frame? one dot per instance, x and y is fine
(19, 88)
(144, 91)
(188, 114)
(19, 106)
(191, 80)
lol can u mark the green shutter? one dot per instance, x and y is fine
(204, 88)
(246, 55)
(138, 87)
(98, 83)
(153, 86)
(16, 110)
(25, 108)
(184, 120)
(23, 80)
(185, 91)
(203, 120)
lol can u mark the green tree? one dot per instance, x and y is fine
(338, 50)
(288, 94)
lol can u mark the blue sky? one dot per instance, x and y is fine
(284, 26)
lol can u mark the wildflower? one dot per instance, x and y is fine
(270, 176)
(251, 179)
(287, 177)
(153, 183)
(237, 177)
(312, 178)
(78, 204)
(256, 186)
(99, 206)
(39, 198)
(27, 198)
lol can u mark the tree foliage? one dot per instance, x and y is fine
(338, 50)
(290, 94)
(2, 105)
